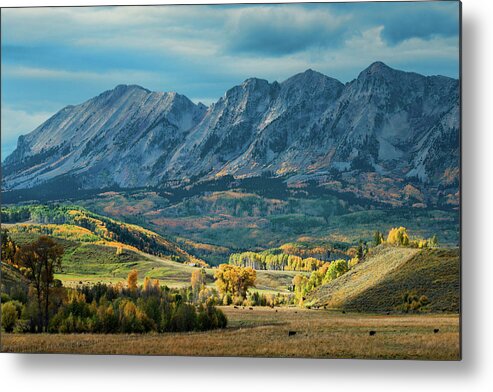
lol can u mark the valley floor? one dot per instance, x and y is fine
(263, 332)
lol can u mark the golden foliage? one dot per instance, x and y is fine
(132, 279)
(197, 280)
(234, 280)
(353, 262)
(398, 236)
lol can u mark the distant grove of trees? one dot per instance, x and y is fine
(47, 306)
(288, 257)
(269, 261)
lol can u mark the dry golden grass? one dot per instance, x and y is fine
(379, 282)
(365, 275)
(263, 332)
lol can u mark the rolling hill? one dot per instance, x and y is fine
(89, 259)
(12, 282)
(379, 283)
(83, 225)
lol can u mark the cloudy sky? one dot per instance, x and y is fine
(53, 57)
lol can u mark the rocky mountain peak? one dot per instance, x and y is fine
(387, 122)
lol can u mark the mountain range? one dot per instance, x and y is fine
(387, 135)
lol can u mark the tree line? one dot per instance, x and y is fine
(274, 261)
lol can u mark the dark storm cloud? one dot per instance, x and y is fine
(277, 31)
(274, 31)
(424, 23)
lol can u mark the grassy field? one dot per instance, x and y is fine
(89, 262)
(264, 332)
(380, 281)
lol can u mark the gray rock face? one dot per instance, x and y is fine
(399, 125)
(117, 137)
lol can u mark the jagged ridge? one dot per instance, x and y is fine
(398, 125)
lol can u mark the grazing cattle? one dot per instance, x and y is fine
(250, 308)
(276, 310)
(373, 333)
(436, 330)
(291, 333)
(236, 307)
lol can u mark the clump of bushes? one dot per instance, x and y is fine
(398, 236)
(10, 315)
(412, 302)
(260, 299)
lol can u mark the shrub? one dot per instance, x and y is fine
(411, 302)
(184, 318)
(4, 298)
(210, 317)
(9, 316)
(18, 293)
(353, 262)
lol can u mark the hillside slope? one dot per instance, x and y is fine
(12, 281)
(378, 283)
(73, 222)
(88, 259)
